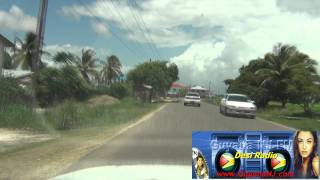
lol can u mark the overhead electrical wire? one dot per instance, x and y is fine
(106, 5)
(147, 30)
(140, 28)
(111, 31)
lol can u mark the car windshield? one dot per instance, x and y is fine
(238, 98)
(193, 94)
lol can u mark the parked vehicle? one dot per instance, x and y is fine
(238, 104)
(192, 98)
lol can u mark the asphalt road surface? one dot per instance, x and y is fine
(165, 138)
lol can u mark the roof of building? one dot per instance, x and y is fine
(6, 42)
(198, 88)
(177, 85)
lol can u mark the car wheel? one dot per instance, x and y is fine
(253, 117)
(199, 105)
(220, 110)
(184, 104)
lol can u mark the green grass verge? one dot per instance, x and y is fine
(292, 115)
(19, 116)
(73, 115)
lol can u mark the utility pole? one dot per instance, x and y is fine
(38, 47)
(40, 34)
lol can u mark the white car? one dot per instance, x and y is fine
(192, 98)
(238, 104)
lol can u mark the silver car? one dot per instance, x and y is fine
(192, 98)
(238, 104)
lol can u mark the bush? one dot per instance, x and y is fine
(119, 90)
(10, 91)
(55, 85)
(15, 108)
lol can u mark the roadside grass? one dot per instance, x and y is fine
(292, 115)
(214, 100)
(90, 128)
(19, 116)
(72, 114)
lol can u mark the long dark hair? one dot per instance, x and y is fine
(298, 158)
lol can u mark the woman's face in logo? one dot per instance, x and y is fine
(305, 143)
(200, 162)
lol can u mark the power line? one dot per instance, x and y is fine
(140, 28)
(122, 19)
(111, 31)
(147, 30)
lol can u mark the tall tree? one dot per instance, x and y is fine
(155, 73)
(111, 70)
(86, 63)
(24, 54)
(277, 74)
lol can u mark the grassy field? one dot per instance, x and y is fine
(88, 128)
(72, 115)
(292, 115)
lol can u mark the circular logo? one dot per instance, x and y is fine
(279, 163)
(226, 162)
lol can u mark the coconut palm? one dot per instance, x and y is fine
(111, 70)
(25, 52)
(280, 65)
(86, 63)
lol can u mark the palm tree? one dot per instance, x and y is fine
(111, 70)
(23, 57)
(25, 53)
(280, 64)
(85, 63)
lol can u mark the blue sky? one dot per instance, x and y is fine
(208, 40)
(61, 29)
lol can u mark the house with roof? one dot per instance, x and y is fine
(4, 44)
(175, 89)
(24, 78)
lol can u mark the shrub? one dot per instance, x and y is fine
(10, 91)
(15, 108)
(55, 85)
(119, 90)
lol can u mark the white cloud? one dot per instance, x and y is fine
(222, 35)
(16, 20)
(311, 7)
(100, 28)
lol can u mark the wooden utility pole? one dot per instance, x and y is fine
(38, 47)
(40, 34)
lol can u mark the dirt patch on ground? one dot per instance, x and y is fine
(102, 100)
(10, 139)
(47, 159)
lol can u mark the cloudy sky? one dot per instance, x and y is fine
(209, 39)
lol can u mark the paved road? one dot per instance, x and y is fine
(165, 138)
